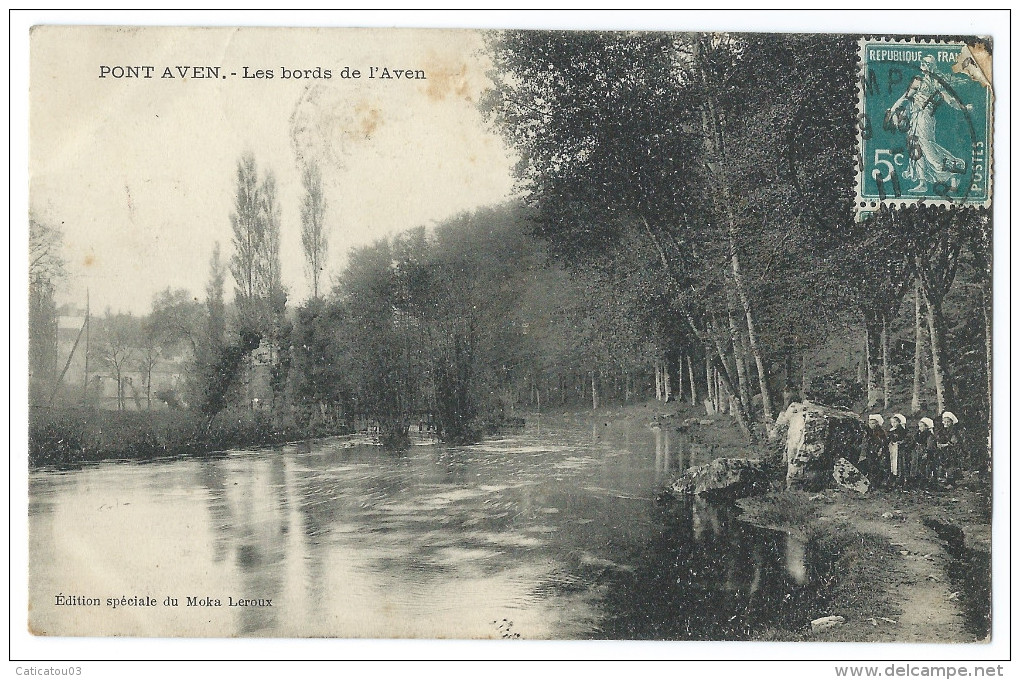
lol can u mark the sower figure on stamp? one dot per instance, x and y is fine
(930, 162)
(899, 463)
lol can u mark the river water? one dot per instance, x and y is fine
(552, 532)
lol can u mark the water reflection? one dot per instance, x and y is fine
(556, 533)
(707, 576)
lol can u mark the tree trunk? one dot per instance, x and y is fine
(886, 378)
(710, 382)
(873, 354)
(788, 380)
(658, 381)
(667, 387)
(712, 128)
(680, 380)
(803, 375)
(939, 370)
(752, 335)
(723, 396)
(594, 393)
(738, 355)
(862, 366)
(915, 395)
(690, 380)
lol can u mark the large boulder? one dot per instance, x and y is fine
(816, 437)
(728, 478)
(846, 475)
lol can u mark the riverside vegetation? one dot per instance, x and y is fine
(686, 225)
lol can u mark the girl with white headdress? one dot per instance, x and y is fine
(897, 437)
(949, 449)
(924, 451)
(874, 458)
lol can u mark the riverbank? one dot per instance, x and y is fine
(908, 566)
(900, 566)
(67, 437)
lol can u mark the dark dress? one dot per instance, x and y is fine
(923, 456)
(874, 459)
(947, 452)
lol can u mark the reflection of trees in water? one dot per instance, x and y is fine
(675, 451)
(260, 540)
(247, 507)
(707, 576)
(213, 478)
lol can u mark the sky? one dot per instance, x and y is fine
(140, 172)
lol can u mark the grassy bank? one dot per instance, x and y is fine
(892, 575)
(72, 436)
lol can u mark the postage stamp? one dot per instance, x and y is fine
(924, 123)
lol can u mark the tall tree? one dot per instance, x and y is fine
(216, 318)
(249, 229)
(314, 237)
(45, 269)
(259, 294)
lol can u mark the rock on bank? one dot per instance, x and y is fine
(816, 437)
(722, 478)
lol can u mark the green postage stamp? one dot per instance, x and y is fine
(924, 123)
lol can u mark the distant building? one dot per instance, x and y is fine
(169, 373)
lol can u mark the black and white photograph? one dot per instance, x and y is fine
(512, 334)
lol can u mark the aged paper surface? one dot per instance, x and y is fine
(407, 333)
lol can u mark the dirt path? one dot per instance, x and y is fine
(893, 582)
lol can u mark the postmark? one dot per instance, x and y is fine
(924, 125)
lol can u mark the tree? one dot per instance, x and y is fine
(249, 236)
(176, 323)
(117, 347)
(270, 289)
(938, 239)
(151, 355)
(314, 239)
(610, 137)
(216, 321)
(259, 294)
(45, 269)
(686, 141)
(176, 320)
(319, 387)
(366, 295)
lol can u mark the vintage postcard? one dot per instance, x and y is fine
(510, 334)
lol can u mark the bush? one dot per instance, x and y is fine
(72, 436)
(170, 397)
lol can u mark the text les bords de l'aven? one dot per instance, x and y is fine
(252, 73)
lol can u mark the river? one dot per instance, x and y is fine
(552, 532)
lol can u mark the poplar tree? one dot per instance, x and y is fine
(314, 239)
